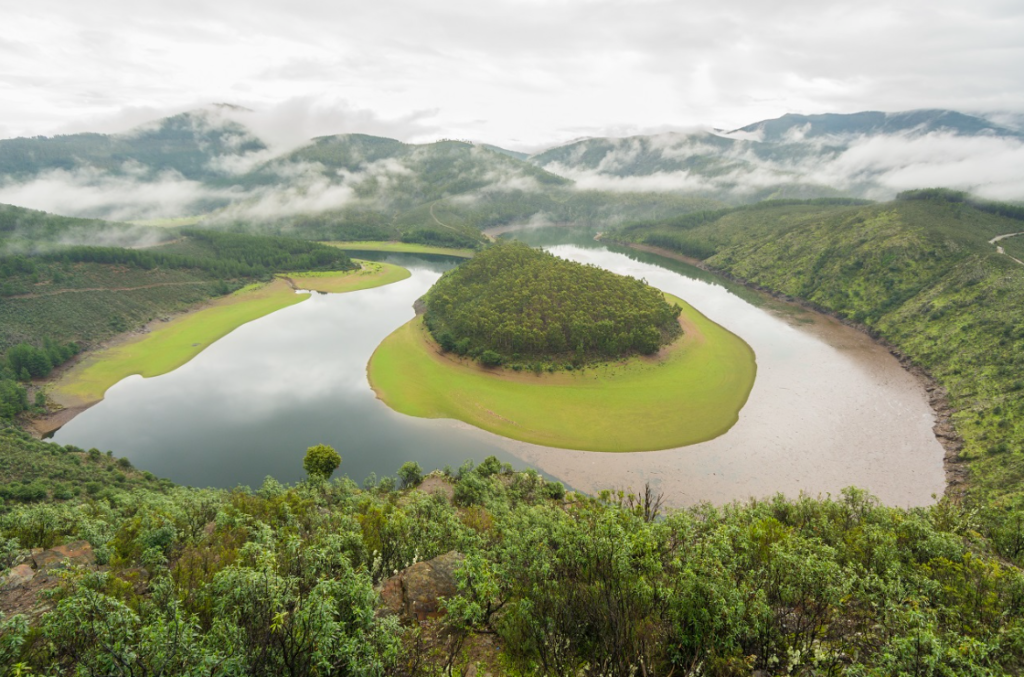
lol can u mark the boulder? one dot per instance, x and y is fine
(79, 552)
(18, 575)
(415, 593)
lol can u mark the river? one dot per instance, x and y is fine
(829, 408)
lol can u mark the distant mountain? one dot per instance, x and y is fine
(789, 128)
(204, 163)
(869, 154)
(188, 144)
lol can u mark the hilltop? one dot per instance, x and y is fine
(515, 303)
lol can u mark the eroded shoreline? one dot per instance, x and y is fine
(938, 398)
(280, 293)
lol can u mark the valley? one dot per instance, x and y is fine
(826, 465)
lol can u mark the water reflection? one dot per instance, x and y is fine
(250, 404)
(829, 408)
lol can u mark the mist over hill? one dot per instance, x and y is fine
(868, 155)
(207, 163)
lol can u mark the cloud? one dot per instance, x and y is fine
(990, 167)
(517, 73)
(296, 121)
(876, 167)
(91, 193)
(310, 187)
(658, 182)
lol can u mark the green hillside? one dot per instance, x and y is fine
(918, 272)
(30, 229)
(184, 143)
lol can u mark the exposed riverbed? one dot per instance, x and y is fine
(829, 409)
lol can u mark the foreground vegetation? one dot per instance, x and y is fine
(281, 580)
(691, 392)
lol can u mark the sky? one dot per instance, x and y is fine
(518, 73)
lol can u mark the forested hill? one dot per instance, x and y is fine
(919, 271)
(29, 229)
(188, 144)
(512, 302)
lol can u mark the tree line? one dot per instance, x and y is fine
(514, 302)
(222, 255)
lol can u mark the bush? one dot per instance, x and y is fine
(490, 466)
(473, 489)
(411, 474)
(321, 461)
(489, 358)
(554, 490)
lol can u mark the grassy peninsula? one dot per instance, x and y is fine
(55, 295)
(401, 248)
(169, 345)
(646, 385)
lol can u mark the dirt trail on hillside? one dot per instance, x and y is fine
(88, 289)
(1000, 250)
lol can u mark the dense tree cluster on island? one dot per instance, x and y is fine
(512, 302)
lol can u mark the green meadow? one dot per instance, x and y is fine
(400, 247)
(690, 392)
(170, 345)
(371, 274)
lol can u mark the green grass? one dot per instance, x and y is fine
(693, 393)
(372, 274)
(171, 222)
(401, 247)
(173, 344)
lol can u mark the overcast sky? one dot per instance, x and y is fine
(518, 73)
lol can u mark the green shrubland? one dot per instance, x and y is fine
(280, 580)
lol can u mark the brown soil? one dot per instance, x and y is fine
(435, 484)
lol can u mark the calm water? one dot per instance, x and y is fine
(829, 408)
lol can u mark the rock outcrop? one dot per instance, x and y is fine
(415, 593)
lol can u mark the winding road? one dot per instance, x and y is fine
(1002, 251)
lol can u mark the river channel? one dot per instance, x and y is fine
(829, 408)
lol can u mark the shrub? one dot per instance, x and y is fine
(321, 461)
(411, 474)
(554, 490)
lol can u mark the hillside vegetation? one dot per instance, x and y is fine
(518, 303)
(61, 296)
(281, 580)
(919, 272)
